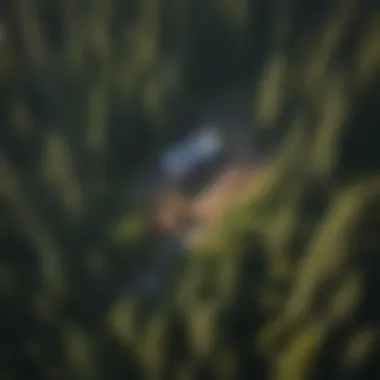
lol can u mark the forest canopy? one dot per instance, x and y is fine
(286, 287)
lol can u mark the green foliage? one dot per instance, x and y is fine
(285, 287)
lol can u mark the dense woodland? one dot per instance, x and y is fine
(288, 288)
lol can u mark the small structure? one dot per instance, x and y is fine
(200, 147)
(189, 185)
(199, 175)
